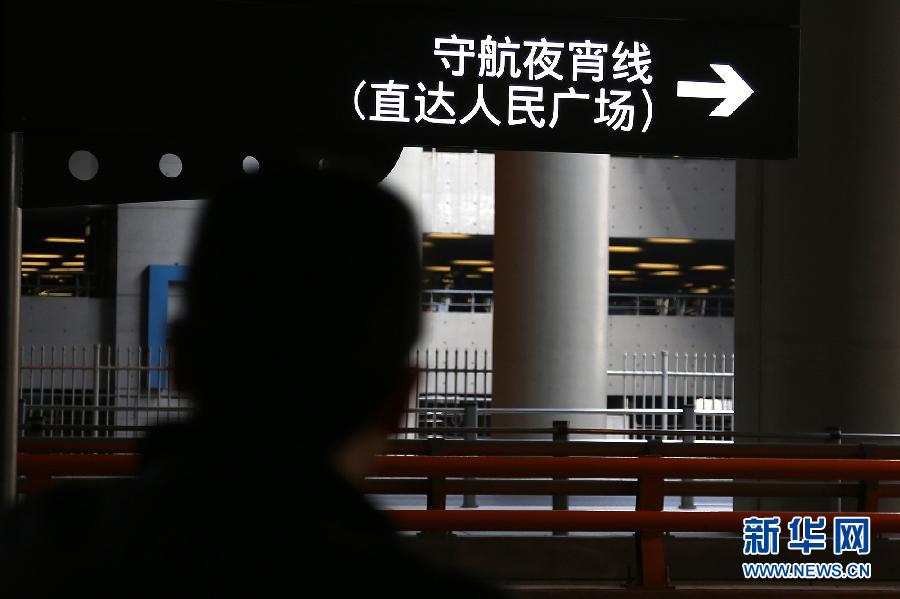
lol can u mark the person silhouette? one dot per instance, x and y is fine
(295, 383)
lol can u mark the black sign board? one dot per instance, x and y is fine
(384, 75)
(616, 85)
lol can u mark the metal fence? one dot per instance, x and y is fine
(121, 392)
(457, 300)
(659, 392)
(671, 391)
(621, 304)
(96, 391)
(668, 304)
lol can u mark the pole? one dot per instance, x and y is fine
(470, 420)
(10, 259)
(689, 422)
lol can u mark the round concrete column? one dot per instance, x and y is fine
(550, 284)
(818, 239)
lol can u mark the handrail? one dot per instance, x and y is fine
(436, 477)
(627, 467)
(483, 447)
(603, 521)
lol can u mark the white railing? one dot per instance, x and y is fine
(102, 391)
(96, 391)
(659, 392)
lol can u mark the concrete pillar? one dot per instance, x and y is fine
(818, 239)
(550, 284)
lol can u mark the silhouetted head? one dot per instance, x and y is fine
(302, 305)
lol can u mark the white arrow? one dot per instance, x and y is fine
(733, 90)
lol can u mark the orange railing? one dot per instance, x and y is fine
(649, 478)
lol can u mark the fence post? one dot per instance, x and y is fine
(688, 422)
(651, 553)
(665, 379)
(470, 420)
(834, 436)
(560, 435)
(96, 418)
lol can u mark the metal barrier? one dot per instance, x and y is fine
(659, 392)
(443, 475)
(457, 300)
(670, 304)
(649, 478)
(96, 391)
(620, 304)
(102, 391)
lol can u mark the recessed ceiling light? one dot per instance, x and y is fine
(486, 269)
(64, 240)
(656, 266)
(624, 273)
(666, 273)
(44, 256)
(448, 236)
(625, 249)
(473, 262)
(437, 268)
(713, 267)
(672, 240)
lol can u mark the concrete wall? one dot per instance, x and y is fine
(649, 197)
(659, 197)
(631, 334)
(148, 233)
(66, 321)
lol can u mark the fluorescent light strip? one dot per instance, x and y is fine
(473, 262)
(64, 240)
(670, 240)
(448, 236)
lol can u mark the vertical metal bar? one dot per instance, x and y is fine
(116, 414)
(10, 283)
(53, 406)
(560, 435)
(96, 371)
(665, 387)
(470, 420)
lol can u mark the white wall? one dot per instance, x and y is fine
(661, 197)
(66, 321)
(449, 192)
(631, 334)
(649, 197)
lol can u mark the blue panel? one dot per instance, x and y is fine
(158, 278)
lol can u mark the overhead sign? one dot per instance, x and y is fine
(618, 86)
(390, 75)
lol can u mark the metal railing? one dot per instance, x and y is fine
(96, 391)
(457, 300)
(102, 391)
(668, 304)
(660, 392)
(620, 304)
(48, 283)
